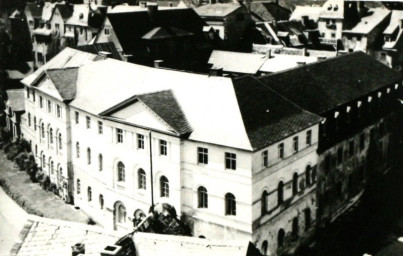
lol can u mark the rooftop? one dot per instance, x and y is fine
(369, 22)
(16, 99)
(333, 9)
(394, 25)
(65, 81)
(280, 62)
(320, 87)
(101, 47)
(300, 11)
(35, 9)
(267, 11)
(246, 63)
(217, 10)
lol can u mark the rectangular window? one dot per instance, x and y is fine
(202, 155)
(33, 95)
(362, 141)
(77, 117)
(140, 141)
(265, 157)
(295, 144)
(49, 106)
(309, 138)
(230, 161)
(29, 119)
(40, 102)
(281, 150)
(57, 26)
(58, 111)
(340, 155)
(351, 148)
(163, 147)
(107, 31)
(28, 93)
(88, 122)
(119, 135)
(100, 127)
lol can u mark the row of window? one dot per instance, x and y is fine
(50, 132)
(49, 104)
(202, 201)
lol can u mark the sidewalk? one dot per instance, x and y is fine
(34, 196)
(12, 220)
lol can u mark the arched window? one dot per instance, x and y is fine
(230, 204)
(280, 193)
(141, 176)
(43, 130)
(295, 227)
(43, 161)
(50, 135)
(308, 175)
(121, 213)
(101, 201)
(78, 186)
(100, 162)
(295, 184)
(88, 156)
(60, 174)
(60, 141)
(313, 175)
(264, 202)
(51, 167)
(265, 244)
(202, 197)
(78, 149)
(280, 238)
(89, 194)
(164, 186)
(121, 172)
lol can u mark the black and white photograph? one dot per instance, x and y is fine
(201, 128)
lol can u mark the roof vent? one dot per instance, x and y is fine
(104, 53)
(143, 4)
(77, 249)
(215, 71)
(329, 7)
(321, 57)
(158, 63)
(336, 7)
(81, 16)
(111, 250)
(301, 63)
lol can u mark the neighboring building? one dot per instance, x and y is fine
(46, 123)
(173, 35)
(230, 21)
(13, 110)
(282, 62)
(357, 96)
(268, 11)
(393, 46)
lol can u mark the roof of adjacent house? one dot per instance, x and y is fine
(66, 10)
(238, 62)
(129, 32)
(16, 99)
(300, 11)
(47, 11)
(280, 62)
(65, 81)
(217, 10)
(268, 11)
(322, 86)
(394, 24)
(269, 117)
(80, 15)
(332, 9)
(293, 29)
(208, 103)
(135, 8)
(49, 237)
(35, 9)
(68, 57)
(100, 47)
(368, 23)
(165, 32)
(158, 245)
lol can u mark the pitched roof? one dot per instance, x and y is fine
(217, 10)
(130, 33)
(116, 81)
(394, 25)
(165, 32)
(65, 81)
(246, 63)
(16, 99)
(66, 10)
(35, 9)
(101, 47)
(322, 86)
(267, 11)
(68, 57)
(369, 22)
(47, 11)
(280, 62)
(311, 11)
(46, 237)
(267, 116)
(158, 245)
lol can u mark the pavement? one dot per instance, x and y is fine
(12, 220)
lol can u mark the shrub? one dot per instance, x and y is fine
(40, 176)
(6, 135)
(52, 187)
(13, 152)
(7, 147)
(46, 182)
(20, 160)
(32, 171)
(23, 145)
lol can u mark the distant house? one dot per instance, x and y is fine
(13, 111)
(33, 12)
(393, 42)
(230, 21)
(173, 35)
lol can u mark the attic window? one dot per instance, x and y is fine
(336, 7)
(388, 90)
(379, 94)
(348, 109)
(81, 16)
(329, 7)
(107, 31)
(359, 104)
(336, 114)
(369, 98)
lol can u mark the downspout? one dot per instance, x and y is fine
(151, 172)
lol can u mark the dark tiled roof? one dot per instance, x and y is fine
(65, 10)
(165, 32)
(35, 9)
(267, 116)
(267, 11)
(320, 87)
(64, 81)
(167, 108)
(130, 27)
(101, 47)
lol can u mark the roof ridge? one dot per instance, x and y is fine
(64, 68)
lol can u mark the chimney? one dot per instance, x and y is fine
(171, 4)
(111, 250)
(152, 10)
(143, 4)
(269, 55)
(77, 249)
(305, 19)
(213, 1)
(215, 71)
(301, 63)
(158, 63)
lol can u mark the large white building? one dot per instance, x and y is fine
(233, 157)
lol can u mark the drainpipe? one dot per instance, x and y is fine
(151, 172)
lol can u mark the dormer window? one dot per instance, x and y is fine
(336, 7)
(81, 16)
(107, 31)
(329, 7)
